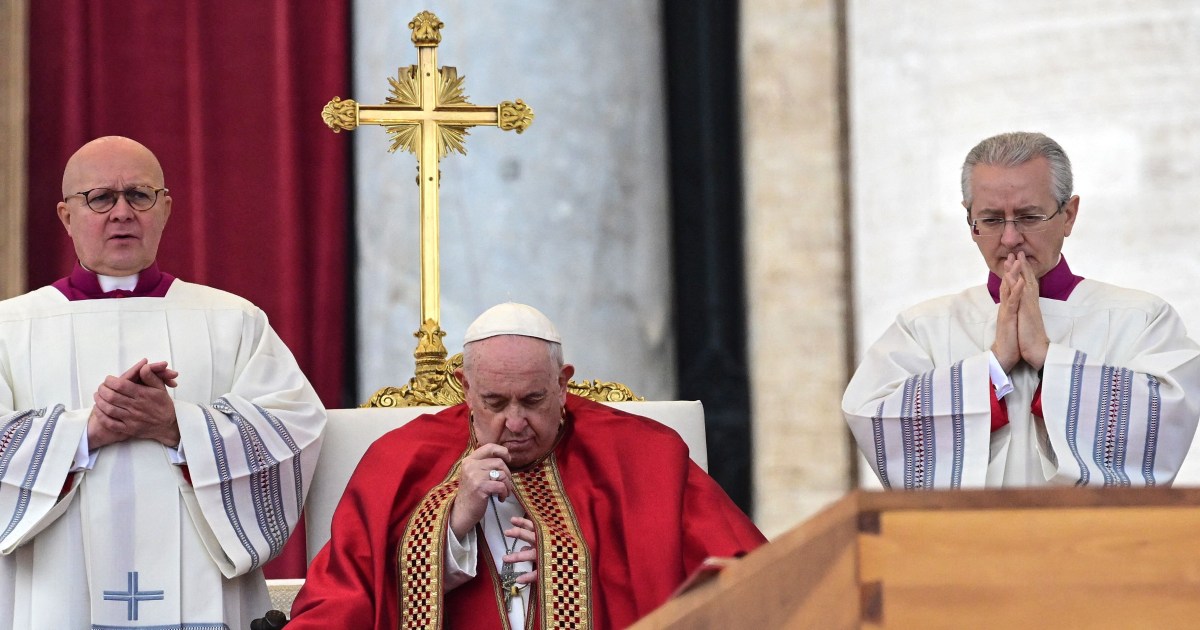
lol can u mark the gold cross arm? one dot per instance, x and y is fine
(346, 114)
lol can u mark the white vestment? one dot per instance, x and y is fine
(1120, 395)
(133, 543)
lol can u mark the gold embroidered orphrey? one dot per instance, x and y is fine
(428, 115)
(563, 558)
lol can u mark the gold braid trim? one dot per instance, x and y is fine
(419, 559)
(564, 564)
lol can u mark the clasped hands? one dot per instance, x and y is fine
(1020, 331)
(135, 405)
(475, 489)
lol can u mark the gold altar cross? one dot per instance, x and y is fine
(428, 115)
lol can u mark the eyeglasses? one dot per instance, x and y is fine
(101, 200)
(1025, 224)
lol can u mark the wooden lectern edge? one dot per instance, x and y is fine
(1020, 498)
(742, 585)
(812, 575)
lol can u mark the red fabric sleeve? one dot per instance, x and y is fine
(999, 409)
(353, 571)
(713, 524)
(650, 514)
(352, 582)
(67, 485)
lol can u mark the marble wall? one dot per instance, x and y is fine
(13, 94)
(570, 217)
(796, 255)
(1115, 82)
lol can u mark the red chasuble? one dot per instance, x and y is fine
(623, 516)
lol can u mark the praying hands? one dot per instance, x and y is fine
(1020, 331)
(135, 405)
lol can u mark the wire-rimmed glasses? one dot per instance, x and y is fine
(1025, 224)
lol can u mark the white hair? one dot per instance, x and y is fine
(1014, 149)
(554, 351)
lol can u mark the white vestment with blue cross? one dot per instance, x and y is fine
(133, 543)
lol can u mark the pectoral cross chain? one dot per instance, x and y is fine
(508, 582)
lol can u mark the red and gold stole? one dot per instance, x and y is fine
(564, 566)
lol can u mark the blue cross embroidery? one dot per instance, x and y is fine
(132, 596)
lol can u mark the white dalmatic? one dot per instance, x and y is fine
(1120, 395)
(134, 543)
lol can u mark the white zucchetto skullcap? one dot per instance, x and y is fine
(511, 318)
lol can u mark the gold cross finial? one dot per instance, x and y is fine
(426, 29)
(427, 114)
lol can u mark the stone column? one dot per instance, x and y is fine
(570, 217)
(796, 250)
(14, 87)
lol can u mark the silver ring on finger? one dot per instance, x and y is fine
(494, 474)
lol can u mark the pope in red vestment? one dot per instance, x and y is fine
(617, 513)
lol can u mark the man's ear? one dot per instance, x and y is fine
(565, 375)
(64, 216)
(1071, 209)
(462, 379)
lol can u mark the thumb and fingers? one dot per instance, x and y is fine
(1006, 347)
(132, 373)
(158, 375)
(103, 429)
(484, 474)
(523, 531)
(1031, 328)
(485, 471)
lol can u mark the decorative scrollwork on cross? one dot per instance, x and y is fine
(515, 116)
(340, 114)
(426, 29)
(405, 88)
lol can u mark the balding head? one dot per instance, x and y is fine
(79, 166)
(121, 241)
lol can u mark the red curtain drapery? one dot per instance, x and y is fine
(228, 95)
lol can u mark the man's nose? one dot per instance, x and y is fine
(1011, 236)
(121, 210)
(514, 418)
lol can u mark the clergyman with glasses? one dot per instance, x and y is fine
(1038, 377)
(156, 436)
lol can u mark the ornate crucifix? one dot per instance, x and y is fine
(428, 115)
